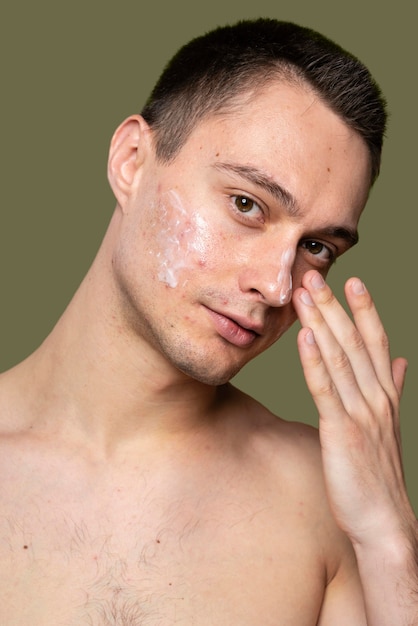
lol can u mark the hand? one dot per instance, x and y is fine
(357, 391)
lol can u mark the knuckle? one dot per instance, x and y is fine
(340, 361)
(327, 297)
(384, 407)
(384, 341)
(325, 389)
(355, 340)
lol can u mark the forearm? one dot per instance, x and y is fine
(389, 575)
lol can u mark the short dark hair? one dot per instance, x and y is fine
(208, 73)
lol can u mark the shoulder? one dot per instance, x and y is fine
(293, 442)
(289, 455)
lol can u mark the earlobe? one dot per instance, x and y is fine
(128, 149)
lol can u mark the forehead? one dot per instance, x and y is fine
(287, 132)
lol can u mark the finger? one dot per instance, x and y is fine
(320, 384)
(399, 368)
(365, 336)
(330, 377)
(345, 356)
(370, 327)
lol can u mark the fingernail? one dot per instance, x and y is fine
(357, 287)
(306, 298)
(317, 281)
(309, 337)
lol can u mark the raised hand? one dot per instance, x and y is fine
(357, 389)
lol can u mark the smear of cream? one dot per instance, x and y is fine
(181, 239)
(284, 277)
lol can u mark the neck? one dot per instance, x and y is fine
(94, 379)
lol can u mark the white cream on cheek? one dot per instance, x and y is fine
(182, 239)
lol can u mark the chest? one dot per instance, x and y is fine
(145, 558)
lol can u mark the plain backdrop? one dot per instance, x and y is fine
(72, 71)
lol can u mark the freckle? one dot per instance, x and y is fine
(158, 541)
(25, 547)
(217, 154)
(170, 584)
(328, 169)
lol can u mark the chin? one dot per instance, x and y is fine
(214, 369)
(213, 376)
(214, 363)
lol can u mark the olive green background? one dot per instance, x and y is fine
(71, 71)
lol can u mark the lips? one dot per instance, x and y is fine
(239, 333)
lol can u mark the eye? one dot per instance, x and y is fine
(247, 209)
(244, 204)
(323, 253)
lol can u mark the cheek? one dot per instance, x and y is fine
(185, 241)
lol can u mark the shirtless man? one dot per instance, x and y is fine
(138, 486)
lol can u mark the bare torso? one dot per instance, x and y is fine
(199, 530)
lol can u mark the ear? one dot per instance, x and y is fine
(128, 150)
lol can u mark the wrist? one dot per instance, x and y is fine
(396, 550)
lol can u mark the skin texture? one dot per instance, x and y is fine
(138, 486)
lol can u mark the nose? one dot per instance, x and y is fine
(270, 280)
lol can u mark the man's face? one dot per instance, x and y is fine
(212, 245)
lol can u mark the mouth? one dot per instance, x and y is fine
(237, 331)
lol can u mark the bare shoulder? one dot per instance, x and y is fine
(289, 454)
(293, 441)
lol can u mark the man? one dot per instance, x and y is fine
(139, 487)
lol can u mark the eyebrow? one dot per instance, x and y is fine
(351, 237)
(284, 197)
(257, 177)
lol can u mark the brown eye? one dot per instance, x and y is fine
(324, 253)
(244, 204)
(314, 247)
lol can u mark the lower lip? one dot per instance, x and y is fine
(231, 331)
